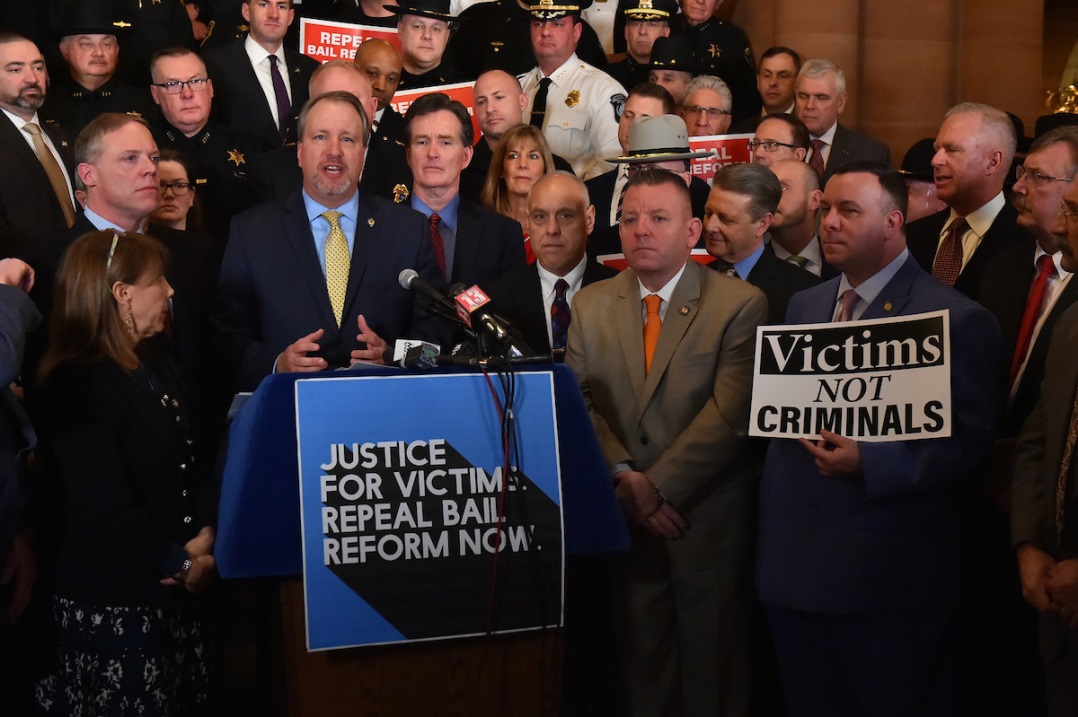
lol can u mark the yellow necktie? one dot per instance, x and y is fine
(52, 171)
(337, 263)
(651, 328)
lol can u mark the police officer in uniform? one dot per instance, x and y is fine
(219, 159)
(88, 35)
(577, 105)
(645, 20)
(497, 36)
(424, 28)
(723, 49)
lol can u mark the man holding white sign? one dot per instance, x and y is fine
(861, 544)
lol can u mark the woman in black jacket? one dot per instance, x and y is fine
(137, 505)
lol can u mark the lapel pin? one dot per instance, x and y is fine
(888, 306)
(370, 222)
(684, 311)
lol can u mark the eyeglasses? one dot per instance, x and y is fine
(112, 250)
(175, 87)
(1034, 177)
(179, 189)
(1067, 216)
(769, 145)
(712, 112)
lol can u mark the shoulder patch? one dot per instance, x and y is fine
(618, 103)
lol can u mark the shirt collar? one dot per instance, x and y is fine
(100, 222)
(828, 137)
(667, 290)
(19, 122)
(1057, 259)
(557, 74)
(980, 220)
(574, 278)
(257, 53)
(448, 213)
(871, 287)
(745, 266)
(349, 209)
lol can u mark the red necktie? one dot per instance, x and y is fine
(436, 240)
(816, 160)
(948, 263)
(1046, 269)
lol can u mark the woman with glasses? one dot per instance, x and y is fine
(135, 500)
(179, 208)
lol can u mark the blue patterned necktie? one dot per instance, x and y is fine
(559, 315)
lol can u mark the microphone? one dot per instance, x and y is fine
(409, 279)
(435, 301)
(471, 303)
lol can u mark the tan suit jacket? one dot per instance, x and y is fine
(684, 423)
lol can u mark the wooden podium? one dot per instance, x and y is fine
(509, 673)
(515, 674)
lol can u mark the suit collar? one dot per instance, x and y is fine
(896, 293)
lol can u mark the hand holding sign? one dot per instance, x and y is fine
(835, 455)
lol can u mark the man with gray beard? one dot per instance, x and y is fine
(36, 192)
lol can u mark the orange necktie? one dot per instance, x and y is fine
(652, 328)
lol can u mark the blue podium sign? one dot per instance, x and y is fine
(415, 524)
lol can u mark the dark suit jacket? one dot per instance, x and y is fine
(779, 281)
(1040, 452)
(894, 539)
(238, 98)
(17, 316)
(488, 245)
(923, 236)
(518, 296)
(272, 290)
(604, 237)
(1010, 276)
(826, 270)
(29, 209)
(849, 146)
(1038, 457)
(129, 490)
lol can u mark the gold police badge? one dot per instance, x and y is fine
(400, 193)
(573, 98)
(236, 157)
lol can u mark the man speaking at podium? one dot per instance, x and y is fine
(311, 283)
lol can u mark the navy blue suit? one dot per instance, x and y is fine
(272, 290)
(891, 542)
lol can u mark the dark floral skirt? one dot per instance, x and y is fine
(127, 661)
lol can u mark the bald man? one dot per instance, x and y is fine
(499, 105)
(276, 175)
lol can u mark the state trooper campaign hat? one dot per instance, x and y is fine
(658, 139)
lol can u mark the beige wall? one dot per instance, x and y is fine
(907, 62)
